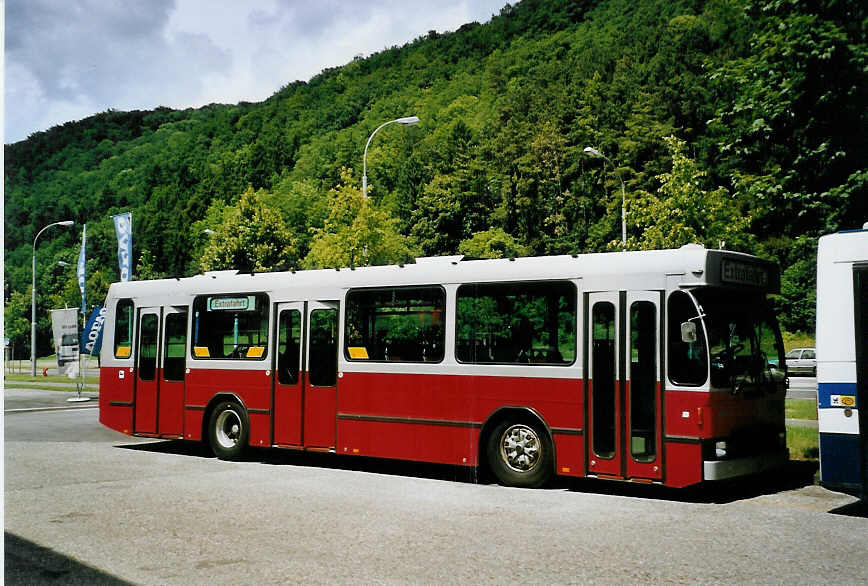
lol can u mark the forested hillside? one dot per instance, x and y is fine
(731, 122)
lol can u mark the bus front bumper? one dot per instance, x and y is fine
(722, 469)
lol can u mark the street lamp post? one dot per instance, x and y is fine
(592, 152)
(408, 121)
(33, 297)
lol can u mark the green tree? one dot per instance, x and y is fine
(457, 201)
(96, 288)
(145, 267)
(682, 211)
(250, 237)
(16, 320)
(356, 232)
(493, 243)
(798, 299)
(792, 114)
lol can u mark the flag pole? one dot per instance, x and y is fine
(82, 282)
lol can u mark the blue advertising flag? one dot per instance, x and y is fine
(124, 231)
(81, 270)
(91, 336)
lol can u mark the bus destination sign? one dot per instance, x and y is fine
(740, 273)
(232, 303)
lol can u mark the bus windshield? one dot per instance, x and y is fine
(744, 342)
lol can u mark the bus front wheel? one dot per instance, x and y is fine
(228, 431)
(520, 454)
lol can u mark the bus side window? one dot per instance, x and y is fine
(124, 329)
(688, 363)
(516, 323)
(230, 327)
(402, 324)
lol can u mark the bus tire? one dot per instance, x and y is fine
(228, 430)
(520, 454)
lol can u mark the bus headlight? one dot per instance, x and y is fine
(720, 449)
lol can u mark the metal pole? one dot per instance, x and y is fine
(33, 314)
(623, 210)
(592, 152)
(33, 297)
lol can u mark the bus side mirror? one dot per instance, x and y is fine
(688, 332)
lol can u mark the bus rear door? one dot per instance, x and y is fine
(288, 384)
(173, 368)
(320, 383)
(623, 385)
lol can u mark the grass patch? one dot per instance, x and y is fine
(801, 409)
(67, 389)
(804, 443)
(798, 340)
(49, 379)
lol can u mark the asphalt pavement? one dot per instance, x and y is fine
(84, 504)
(802, 387)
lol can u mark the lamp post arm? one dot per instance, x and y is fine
(38, 234)
(365, 157)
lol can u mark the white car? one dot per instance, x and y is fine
(802, 361)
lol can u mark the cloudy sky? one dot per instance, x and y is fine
(68, 59)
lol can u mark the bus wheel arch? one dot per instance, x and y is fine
(517, 447)
(226, 426)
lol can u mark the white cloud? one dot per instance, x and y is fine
(68, 60)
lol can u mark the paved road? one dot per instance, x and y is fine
(802, 387)
(87, 505)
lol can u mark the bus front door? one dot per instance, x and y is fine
(288, 385)
(320, 382)
(623, 385)
(147, 376)
(643, 385)
(173, 368)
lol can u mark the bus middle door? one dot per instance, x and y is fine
(288, 385)
(623, 381)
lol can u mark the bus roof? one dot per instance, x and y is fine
(845, 246)
(688, 266)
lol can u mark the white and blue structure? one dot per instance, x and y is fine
(842, 360)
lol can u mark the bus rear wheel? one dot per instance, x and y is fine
(520, 454)
(228, 431)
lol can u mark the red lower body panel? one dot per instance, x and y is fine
(440, 418)
(116, 399)
(683, 463)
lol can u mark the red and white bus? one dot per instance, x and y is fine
(652, 366)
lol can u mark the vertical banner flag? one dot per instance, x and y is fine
(81, 270)
(124, 231)
(64, 326)
(91, 336)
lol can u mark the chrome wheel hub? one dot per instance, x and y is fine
(520, 448)
(228, 428)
